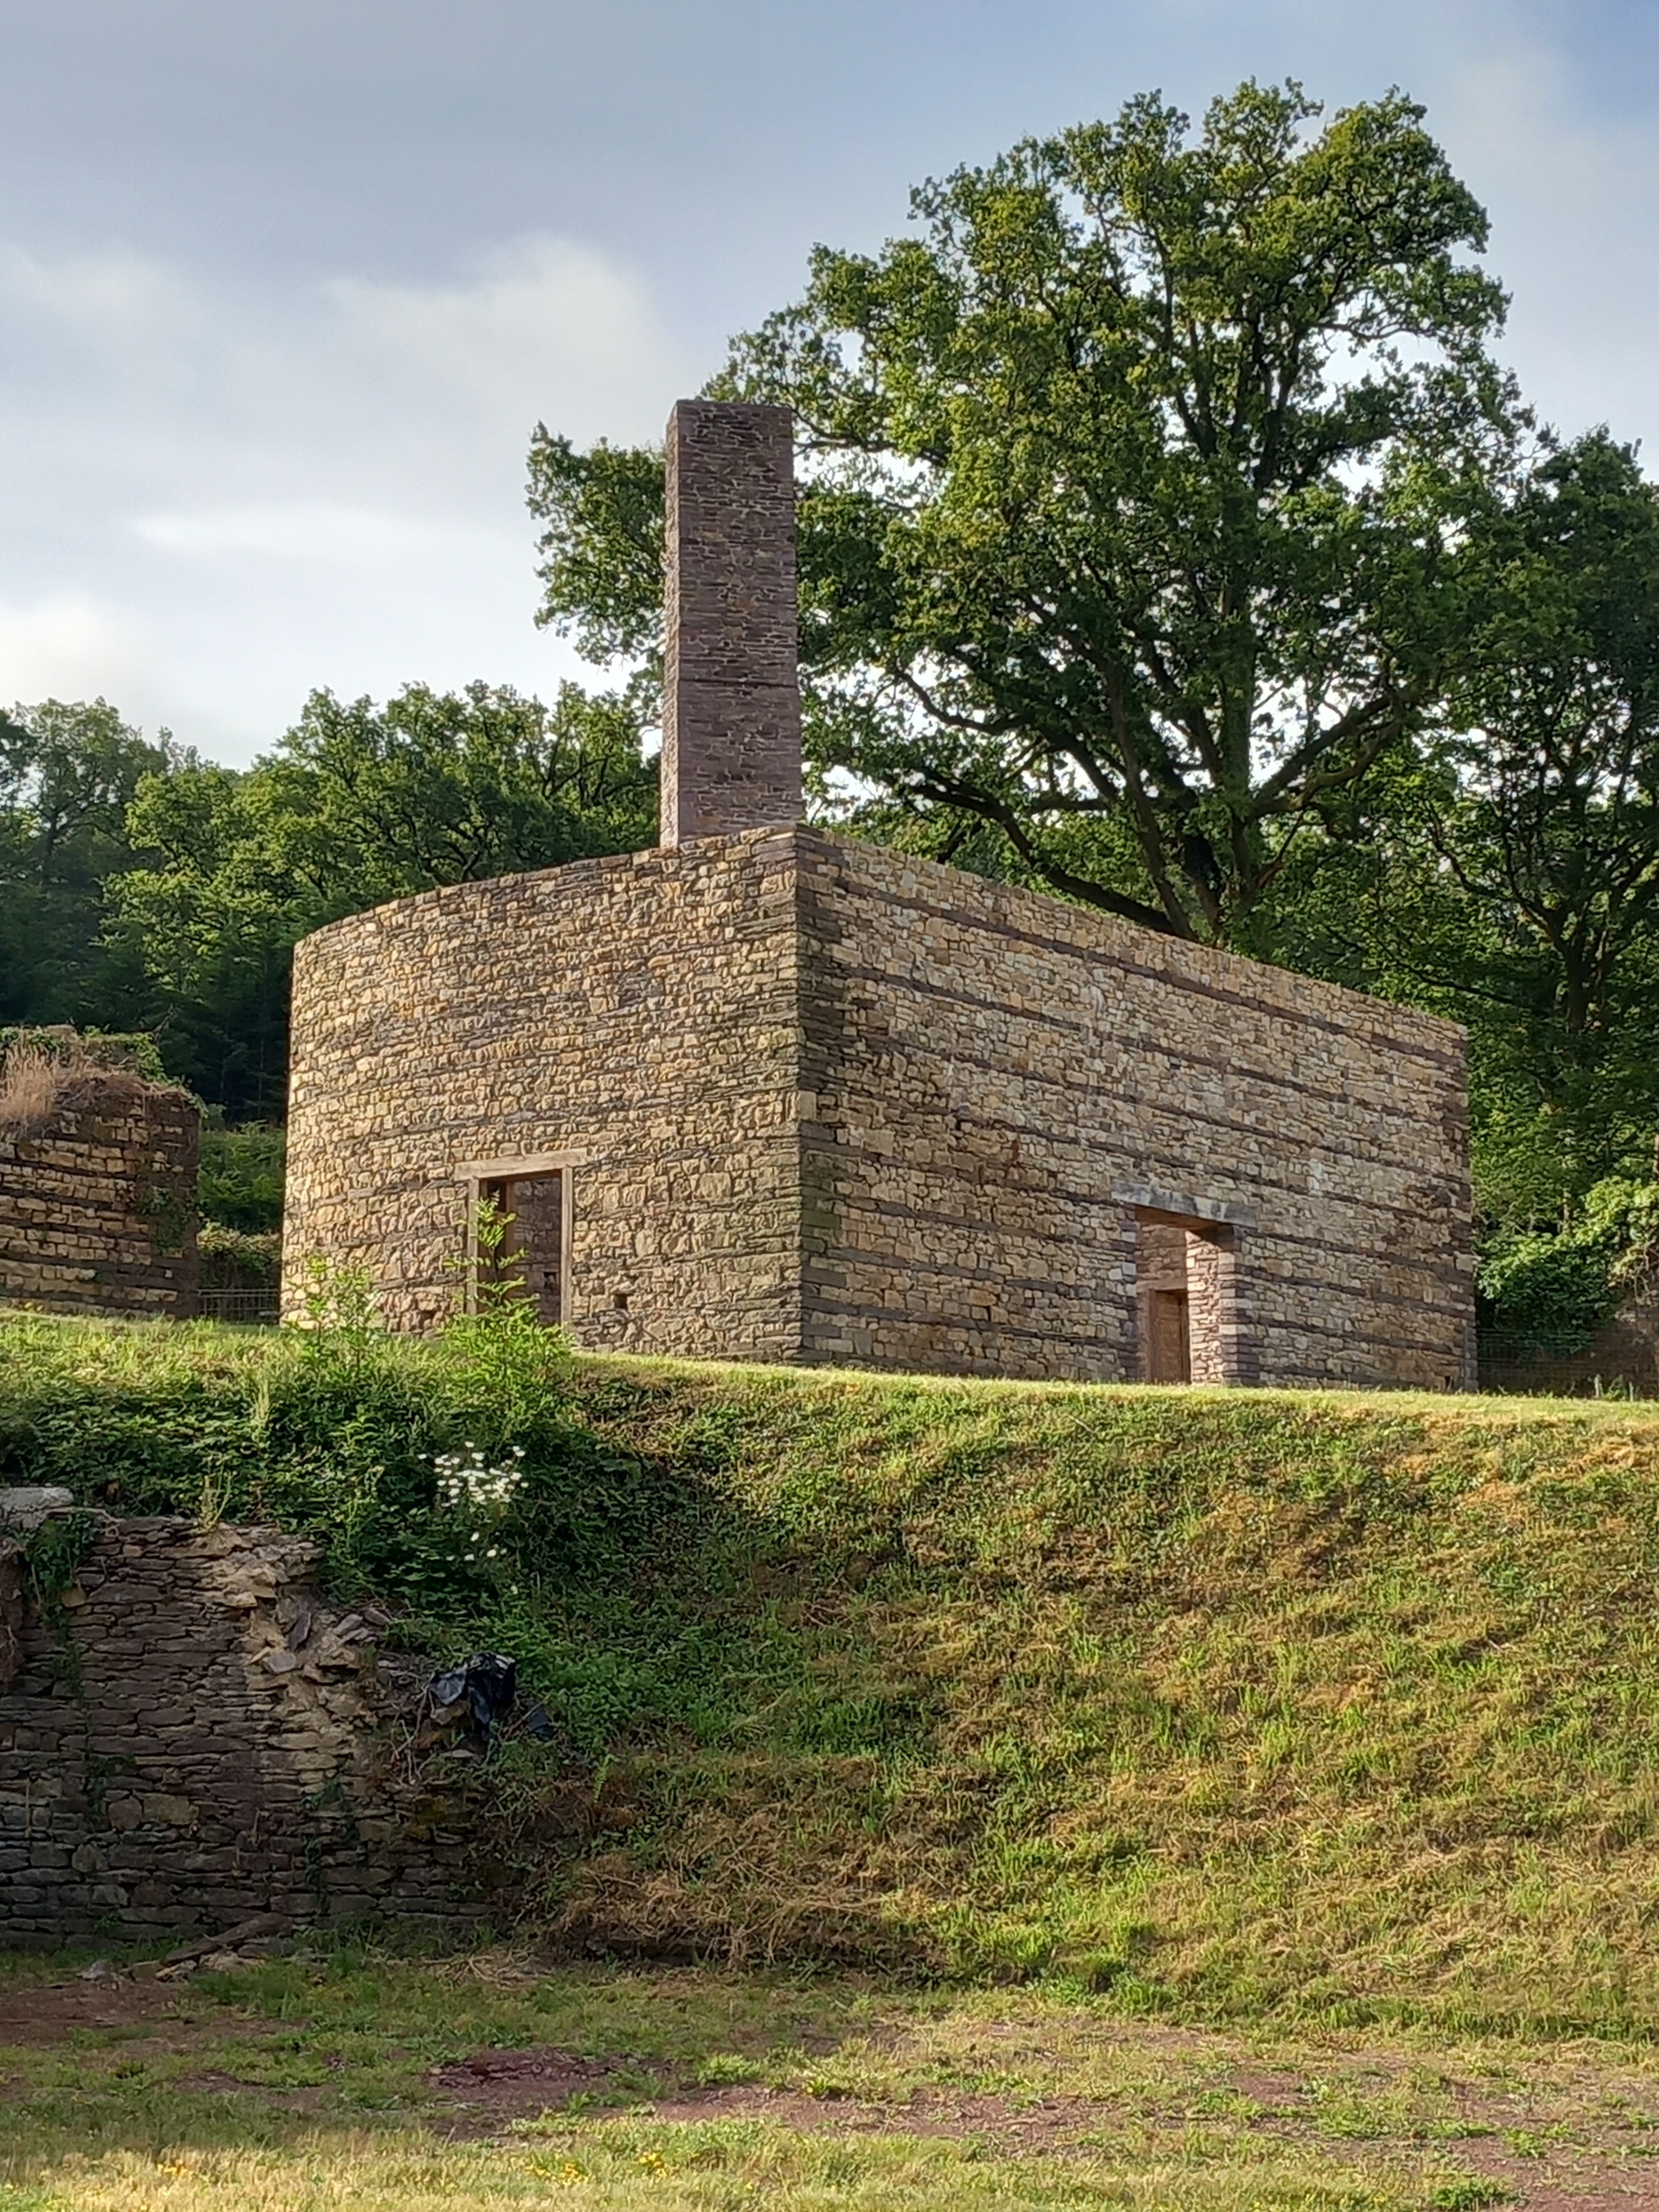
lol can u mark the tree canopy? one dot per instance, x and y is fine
(148, 889)
(68, 774)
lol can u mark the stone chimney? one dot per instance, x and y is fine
(730, 729)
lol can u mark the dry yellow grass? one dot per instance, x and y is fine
(32, 1080)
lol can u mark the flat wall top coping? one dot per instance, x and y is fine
(951, 894)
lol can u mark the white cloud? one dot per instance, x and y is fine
(320, 484)
(69, 646)
(305, 531)
(114, 295)
(542, 321)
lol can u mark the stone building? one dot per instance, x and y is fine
(770, 1093)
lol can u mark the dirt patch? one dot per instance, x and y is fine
(495, 2087)
(41, 2013)
(1604, 2168)
(502, 2085)
(521, 2084)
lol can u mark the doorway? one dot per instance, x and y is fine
(518, 1236)
(1168, 1341)
(1187, 1305)
(523, 1255)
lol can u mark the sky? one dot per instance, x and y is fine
(284, 290)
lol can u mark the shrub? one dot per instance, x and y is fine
(234, 1260)
(239, 1183)
(1556, 1290)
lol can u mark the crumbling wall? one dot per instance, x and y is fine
(98, 1199)
(192, 1737)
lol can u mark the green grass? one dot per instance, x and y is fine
(1310, 1709)
(311, 2082)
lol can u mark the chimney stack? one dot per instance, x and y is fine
(731, 730)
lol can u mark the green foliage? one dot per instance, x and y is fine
(602, 569)
(52, 1558)
(358, 804)
(1555, 1289)
(52, 1554)
(105, 1048)
(238, 1258)
(1553, 1292)
(334, 1430)
(1330, 1707)
(68, 773)
(241, 1178)
(1506, 874)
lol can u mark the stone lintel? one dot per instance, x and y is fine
(1176, 1205)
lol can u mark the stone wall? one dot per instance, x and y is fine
(98, 1200)
(817, 1101)
(199, 1740)
(731, 736)
(633, 1021)
(1005, 1082)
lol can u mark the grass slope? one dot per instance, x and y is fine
(1313, 1708)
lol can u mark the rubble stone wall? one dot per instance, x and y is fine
(1002, 1080)
(818, 1101)
(196, 1739)
(98, 1204)
(634, 1021)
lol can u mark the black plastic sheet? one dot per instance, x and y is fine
(483, 1686)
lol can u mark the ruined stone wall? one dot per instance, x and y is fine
(634, 1020)
(195, 1743)
(1001, 1079)
(98, 1203)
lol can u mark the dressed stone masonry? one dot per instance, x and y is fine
(200, 1739)
(791, 1096)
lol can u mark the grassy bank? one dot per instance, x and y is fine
(1248, 1705)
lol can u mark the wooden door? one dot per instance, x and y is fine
(1171, 1350)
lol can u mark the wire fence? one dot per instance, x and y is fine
(1542, 1364)
(256, 1307)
